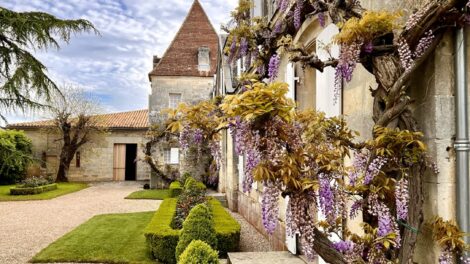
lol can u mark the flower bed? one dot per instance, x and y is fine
(162, 238)
(18, 190)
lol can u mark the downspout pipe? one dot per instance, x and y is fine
(462, 142)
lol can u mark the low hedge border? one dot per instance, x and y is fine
(175, 189)
(32, 190)
(162, 239)
(226, 227)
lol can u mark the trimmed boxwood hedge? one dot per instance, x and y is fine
(197, 226)
(199, 252)
(32, 190)
(162, 239)
(175, 189)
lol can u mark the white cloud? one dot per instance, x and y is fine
(114, 65)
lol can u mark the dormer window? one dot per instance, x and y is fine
(204, 63)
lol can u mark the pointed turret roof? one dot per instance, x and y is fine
(181, 57)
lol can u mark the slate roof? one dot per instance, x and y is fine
(181, 57)
(124, 120)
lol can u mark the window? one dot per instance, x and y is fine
(260, 8)
(171, 156)
(204, 64)
(290, 80)
(77, 159)
(175, 99)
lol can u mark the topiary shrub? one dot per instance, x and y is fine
(175, 189)
(185, 176)
(198, 226)
(199, 252)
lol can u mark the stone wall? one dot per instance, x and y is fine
(192, 90)
(96, 157)
(433, 89)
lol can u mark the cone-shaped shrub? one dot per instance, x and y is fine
(197, 226)
(199, 252)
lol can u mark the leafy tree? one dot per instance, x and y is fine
(15, 155)
(76, 121)
(23, 78)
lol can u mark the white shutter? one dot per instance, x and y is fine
(174, 155)
(241, 172)
(291, 241)
(325, 81)
(290, 80)
(258, 8)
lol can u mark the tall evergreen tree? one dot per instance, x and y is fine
(24, 83)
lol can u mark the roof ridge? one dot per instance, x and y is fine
(177, 37)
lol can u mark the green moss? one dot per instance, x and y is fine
(199, 252)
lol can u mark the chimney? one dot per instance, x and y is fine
(156, 60)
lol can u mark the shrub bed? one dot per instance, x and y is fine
(163, 239)
(175, 189)
(18, 190)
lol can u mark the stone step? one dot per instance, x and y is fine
(219, 196)
(275, 257)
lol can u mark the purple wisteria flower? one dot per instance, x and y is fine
(233, 50)
(298, 13)
(270, 206)
(374, 168)
(327, 198)
(343, 246)
(402, 197)
(274, 66)
(322, 19)
(243, 47)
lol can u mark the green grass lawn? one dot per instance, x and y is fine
(111, 238)
(62, 189)
(158, 194)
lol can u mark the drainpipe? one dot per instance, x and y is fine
(462, 143)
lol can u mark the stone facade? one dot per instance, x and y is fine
(96, 157)
(184, 75)
(434, 110)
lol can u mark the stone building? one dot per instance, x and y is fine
(184, 74)
(435, 109)
(111, 155)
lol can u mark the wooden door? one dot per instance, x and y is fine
(119, 162)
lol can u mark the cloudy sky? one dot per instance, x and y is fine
(114, 65)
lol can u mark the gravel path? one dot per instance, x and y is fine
(27, 227)
(250, 239)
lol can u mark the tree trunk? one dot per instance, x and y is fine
(66, 157)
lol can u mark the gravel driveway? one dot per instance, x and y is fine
(27, 227)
